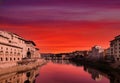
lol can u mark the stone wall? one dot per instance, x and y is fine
(21, 68)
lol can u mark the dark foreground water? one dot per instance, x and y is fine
(61, 72)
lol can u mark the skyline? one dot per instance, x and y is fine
(62, 25)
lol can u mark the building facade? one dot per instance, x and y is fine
(107, 52)
(13, 47)
(37, 53)
(115, 48)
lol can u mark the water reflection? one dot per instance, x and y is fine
(113, 76)
(60, 61)
(62, 71)
(96, 74)
(21, 77)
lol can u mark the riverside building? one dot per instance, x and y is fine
(115, 48)
(14, 47)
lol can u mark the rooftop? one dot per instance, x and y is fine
(116, 38)
(29, 41)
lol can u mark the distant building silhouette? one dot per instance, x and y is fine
(96, 53)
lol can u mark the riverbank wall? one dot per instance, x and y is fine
(22, 68)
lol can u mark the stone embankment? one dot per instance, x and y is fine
(22, 68)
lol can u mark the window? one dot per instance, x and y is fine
(17, 75)
(6, 48)
(1, 52)
(14, 53)
(115, 51)
(14, 58)
(111, 49)
(117, 59)
(13, 77)
(6, 53)
(6, 81)
(19, 54)
(1, 59)
(10, 59)
(6, 59)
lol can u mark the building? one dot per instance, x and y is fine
(31, 48)
(80, 53)
(37, 53)
(14, 47)
(108, 56)
(107, 52)
(96, 53)
(115, 48)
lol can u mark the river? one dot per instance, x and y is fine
(64, 72)
(60, 71)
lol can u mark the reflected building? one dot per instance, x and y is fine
(60, 61)
(97, 75)
(23, 77)
(11, 78)
(94, 74)
(115, 80)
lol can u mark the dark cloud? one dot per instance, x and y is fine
(24, 12)
(100, 3)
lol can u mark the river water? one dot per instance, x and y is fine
(65, 72)
(61, 71)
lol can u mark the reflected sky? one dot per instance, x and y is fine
(63, 73)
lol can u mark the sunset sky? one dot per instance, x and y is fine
(62, 25)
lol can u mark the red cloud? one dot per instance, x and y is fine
(67, 36)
